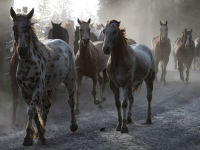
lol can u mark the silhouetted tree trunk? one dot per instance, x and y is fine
(5, 22)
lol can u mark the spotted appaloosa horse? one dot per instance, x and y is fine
(58, 32)
(41, 67)
(90, 61)
(128, 66)
(161, 47)
(184, 52)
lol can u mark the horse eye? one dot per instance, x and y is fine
(114, 32)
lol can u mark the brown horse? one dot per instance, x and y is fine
(128, 66)
(184, 52)
(161, 47)
(70, 28)
(58, 32)
(90, 61)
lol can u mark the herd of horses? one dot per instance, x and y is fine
(104, 55)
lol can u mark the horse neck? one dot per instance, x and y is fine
(119, 52)
(84, 50)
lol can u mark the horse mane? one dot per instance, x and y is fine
(123, 30)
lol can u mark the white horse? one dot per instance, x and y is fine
(41, 67)
(98, 33)
(128, 66)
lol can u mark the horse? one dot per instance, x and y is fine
(93, 38)
(184, 52)
(90, 61)
(58, 32)
(161, 47)
(98, 33)
(41, 67)
(197, 53)
(70, 28)
(99, 26)
(128, 66)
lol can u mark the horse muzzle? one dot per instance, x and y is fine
(106, 50)
(85, 41)
(23, 52)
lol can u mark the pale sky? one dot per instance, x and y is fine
(79, 7)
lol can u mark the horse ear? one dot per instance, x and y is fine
(166, 22)
(30, 14)
(161, 23)
(185, 30)
(118, 23)
(52, 23)
(102, 25)
(191, 30)
(79, 21)
(12, 13)
(60, 23)
(89, 20)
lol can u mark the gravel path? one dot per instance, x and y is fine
(175, 116)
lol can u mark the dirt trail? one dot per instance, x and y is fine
(175, 116)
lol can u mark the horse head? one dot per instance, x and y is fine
(163, 31)
(84, 31)
(187, 38)
(111, 33)
(57, 30)
(22, 27)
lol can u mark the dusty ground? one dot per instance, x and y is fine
(175, 116)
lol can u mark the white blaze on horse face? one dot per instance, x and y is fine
(164, 32)
(187, 41)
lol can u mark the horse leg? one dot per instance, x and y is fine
(198, 62)
(126, 91)
(103, 99)
(194, 63)
(162, 72)
(94, 79)
(37, 94)
(180, 68)
(70, 85)
(156, 65)
(175, 62)
(165, 71)
(187, 71)
(15, 88)
(46, 104)
(78, 92)
(149, 86)
(117, 103)
(131, 100)
(41, 130)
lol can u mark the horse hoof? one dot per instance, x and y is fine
(124, 130)
(73, 127)
(77, 111)
(41, 142)
(118, 128)
(28, 142)
(100, 106)
(97, 102)
(129, 120)
(148, 121)
(104, 99)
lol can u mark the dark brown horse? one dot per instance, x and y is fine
(58, 32)
(184, 52)
(161, 47)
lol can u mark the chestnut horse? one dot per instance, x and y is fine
(93, 38)
(90, 61)
(161, 47)
(184, 52)
(128, 66)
